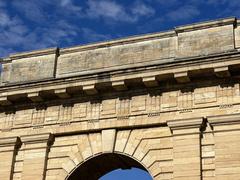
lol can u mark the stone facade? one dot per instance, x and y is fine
(168, 103)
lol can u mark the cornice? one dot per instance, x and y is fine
(116, 42)
(207, 24)
(41, 52)
(224, 119)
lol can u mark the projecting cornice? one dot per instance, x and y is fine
(207, 24)
(210, 49)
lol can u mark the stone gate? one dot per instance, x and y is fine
(168, 103)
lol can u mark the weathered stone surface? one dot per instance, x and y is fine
(30, 66)
(166, 103)
(205, 41)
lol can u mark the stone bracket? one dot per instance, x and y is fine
(90, 89)
(222, 72)
(35, 97)
(119, 85)
(182, 77)
(150, 81)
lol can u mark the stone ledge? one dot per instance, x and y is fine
(207, 24)
(10, 141)
(185, 123)
(41, 52)
(224, 119)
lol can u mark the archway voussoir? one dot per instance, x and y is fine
(68, 166)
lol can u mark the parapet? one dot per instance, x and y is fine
(184, 42)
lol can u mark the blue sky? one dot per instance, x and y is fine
(131, 174)
(34, 24)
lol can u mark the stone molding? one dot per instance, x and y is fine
(207, 24)
(38, 138)
(41, 52)
(185, 124)
(224, 119)
(10, 141)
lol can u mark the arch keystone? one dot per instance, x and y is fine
(108, 140)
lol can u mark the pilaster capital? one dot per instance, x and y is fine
(10, 141)
(185, 126)
(224, 119)
(38, 138)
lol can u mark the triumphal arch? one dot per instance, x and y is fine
(168, 103)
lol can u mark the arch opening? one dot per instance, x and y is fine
(100, 165)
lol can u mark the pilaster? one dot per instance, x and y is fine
(186, 148)
(8, 150)
(227, 137)
(36, 148)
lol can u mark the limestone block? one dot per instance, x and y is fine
(5, 74)
(33, 67)
(95, 140)
(85, 61)
(94, 109)
(65, 113)
(205, 41)
(23, 117)
(52, 114)
(108, 140)
(205, 95)
(185, 100)
(85, 146)
(38, 116)
(108, 107)
(154, 103)
(138, 103)
(80, 110)
(121, 140)
(123, 107)
(169, 99)
(237, 36)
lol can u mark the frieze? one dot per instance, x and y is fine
(151, 104)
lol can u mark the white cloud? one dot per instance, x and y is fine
(4, 19)
(111, 10)
(70, 7)
(183, 13)
(92, 36)
(141, 9)
(32, 10)
(107, 9)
